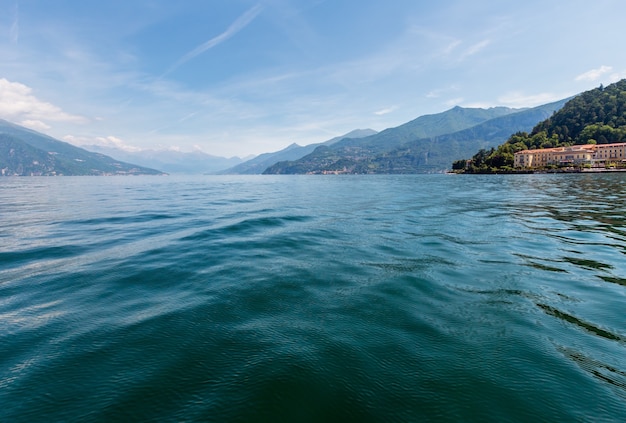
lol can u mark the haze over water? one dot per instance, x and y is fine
(310, 298)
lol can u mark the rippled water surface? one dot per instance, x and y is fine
(308, 298)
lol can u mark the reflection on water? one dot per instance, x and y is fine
(599, 370)
(585, 215)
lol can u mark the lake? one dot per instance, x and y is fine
(313, 298)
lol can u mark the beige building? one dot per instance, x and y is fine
(610, 153)
(599, 155)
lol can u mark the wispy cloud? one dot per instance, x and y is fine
(37, 125)
(594, 74)
(108, 141)
(617, 76)
(454, 101)
(386, 111)
(239, 24)
(450, 47)
(17, 103)
(438, 92)
(473, 49)
(604, 73)
(519, 99)
(15, 25)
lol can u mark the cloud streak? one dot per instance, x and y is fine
(15, 25)
(239, 24)
(385, 111)
(472, 50)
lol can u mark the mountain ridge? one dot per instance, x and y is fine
(417, 155)
(25, 152)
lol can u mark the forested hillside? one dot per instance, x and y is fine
(597, 116)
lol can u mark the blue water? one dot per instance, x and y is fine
(313, 298)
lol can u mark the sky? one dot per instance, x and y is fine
(245, 77)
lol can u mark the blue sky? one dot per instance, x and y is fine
(239, 77)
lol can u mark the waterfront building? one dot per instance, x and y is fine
(594, 155)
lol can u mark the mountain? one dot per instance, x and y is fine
(170, 161)
(596, 116)
(293, 152)
(427, 144)
(24, 152)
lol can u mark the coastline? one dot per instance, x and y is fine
(540, 171)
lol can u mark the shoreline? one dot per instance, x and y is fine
(539, 171)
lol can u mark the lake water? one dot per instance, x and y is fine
(313, 298)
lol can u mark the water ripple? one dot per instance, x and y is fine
(391, 298)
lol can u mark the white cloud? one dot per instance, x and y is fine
(385, 111)
(109, 141)
(594, 74)
(37, 125)
(436, 93)
(519, 99)
(17, 103)
(616, 76)
(478, 105)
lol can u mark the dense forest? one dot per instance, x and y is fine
(597, 116)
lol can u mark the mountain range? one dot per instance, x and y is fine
(427, 144)
(24, 152)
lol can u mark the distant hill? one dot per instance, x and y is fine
(24, 152)
(170, 161)
(293, 152)
(595, 116)
(427, 144)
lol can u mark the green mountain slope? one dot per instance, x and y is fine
(419, 154)
(293, 152)
(24, 152)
